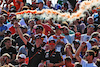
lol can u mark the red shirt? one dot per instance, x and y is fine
(70, 66)
(17, 3)
(12, 30)
(47, 29)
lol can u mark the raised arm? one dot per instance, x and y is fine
(78, 51)
(20, 32)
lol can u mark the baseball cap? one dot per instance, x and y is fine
(93, 40)
(22, 56)
(77, 34)
(6, 54)
(39, 1)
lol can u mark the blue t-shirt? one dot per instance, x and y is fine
(2, 28)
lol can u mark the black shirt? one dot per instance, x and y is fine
(19, 41)
(54, 56)
(10, 51)
(35, 55)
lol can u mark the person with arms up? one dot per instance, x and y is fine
(36, 54)
(88, 56)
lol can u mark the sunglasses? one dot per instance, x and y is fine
(86, 55)
(92, 26)
(20, 58)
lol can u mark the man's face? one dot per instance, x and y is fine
(20, 60)
(90, 30)
(38, 31)
(67, 63)
(40, 5)
(52, 45)
(2, 19)
(58, 31)
(8, 43)
(6, 59)
(65, 31)
(39, 40)
(90, 21)
(31, 24)
(48, 3)
(76, 45)
(38, 22)
(98, 30)
(87, 56)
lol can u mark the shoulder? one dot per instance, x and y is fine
(12, 47)
(83, 62)
(83, 34)
(3, 48)
(3, 26)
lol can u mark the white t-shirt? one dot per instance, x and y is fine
(85, 37)
(86, 64)
(88, 45)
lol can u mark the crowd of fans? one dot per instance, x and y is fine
(48, 44)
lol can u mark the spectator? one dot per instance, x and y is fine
(98, 29)
(41, 5)
(66, 34)
(21, 60)
(47, 30)
(91, 42)
(39, 31)
(5, 60)
(3, 28)
(68, 62)
(18, 4)
(54, 56)
(36, 54)
(8, 48)
(76, 44)
(96, 50)
(98, 62)
(87, 36)
(77, 64)
(59, 39)
(89, 56)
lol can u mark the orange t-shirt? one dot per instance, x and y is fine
(17, 4)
